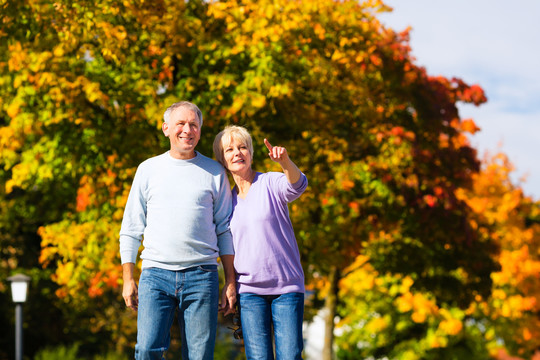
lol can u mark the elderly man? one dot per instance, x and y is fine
(180, 201)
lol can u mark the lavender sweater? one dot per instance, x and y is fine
(267, 260)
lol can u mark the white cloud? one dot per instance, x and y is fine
(494, 44)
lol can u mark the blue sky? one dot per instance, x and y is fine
(495, 44)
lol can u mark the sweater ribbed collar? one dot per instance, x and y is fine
(180, 162)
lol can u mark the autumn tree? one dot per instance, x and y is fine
(78, 84)
(381, 141)
(382, 310)
(504, 213)
(83, 89)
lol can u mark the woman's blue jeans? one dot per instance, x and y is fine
(285, 312)
(194, 292)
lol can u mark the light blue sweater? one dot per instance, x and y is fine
(182, 209)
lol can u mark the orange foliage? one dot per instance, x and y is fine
(469, 126)
(499, 210)
(503, 355)
(430, 200)
(92, 273)
(474, 94)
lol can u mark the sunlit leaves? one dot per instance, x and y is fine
(390, 204)
(73, 125)
(501, 212)
(91, 274)
(503, 321)
(386, 310)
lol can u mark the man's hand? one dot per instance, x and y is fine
(130, 292)
(130, 295)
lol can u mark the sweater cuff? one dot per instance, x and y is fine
(225, 243)
(302, 182)
(129, 248)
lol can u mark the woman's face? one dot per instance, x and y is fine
(237, 157)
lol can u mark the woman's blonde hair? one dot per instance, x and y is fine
(226, 136)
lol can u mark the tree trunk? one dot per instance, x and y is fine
(330, 305)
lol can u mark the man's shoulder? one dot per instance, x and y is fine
(153, 161)
(210, 164)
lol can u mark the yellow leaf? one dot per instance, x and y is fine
(13, 108)
(451, 326)
(258, 101)
(58, 51)
(9, 185)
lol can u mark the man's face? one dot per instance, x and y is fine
(184, 132)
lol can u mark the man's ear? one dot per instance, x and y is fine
(165, 128)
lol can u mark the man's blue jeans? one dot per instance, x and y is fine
(194, 292)
(285, 312)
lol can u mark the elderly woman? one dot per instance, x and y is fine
(269, 275)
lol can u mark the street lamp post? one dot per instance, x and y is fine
(19, 288)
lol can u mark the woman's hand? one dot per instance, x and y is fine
(228, 299)
(277, 153)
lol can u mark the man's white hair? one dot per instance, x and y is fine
(183, 104)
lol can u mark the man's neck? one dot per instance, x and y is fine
(182, 155)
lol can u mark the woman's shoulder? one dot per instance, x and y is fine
(272, 179)
(270, 176)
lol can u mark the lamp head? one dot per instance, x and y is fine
(19, 287)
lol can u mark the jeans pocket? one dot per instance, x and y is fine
(208, 268)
